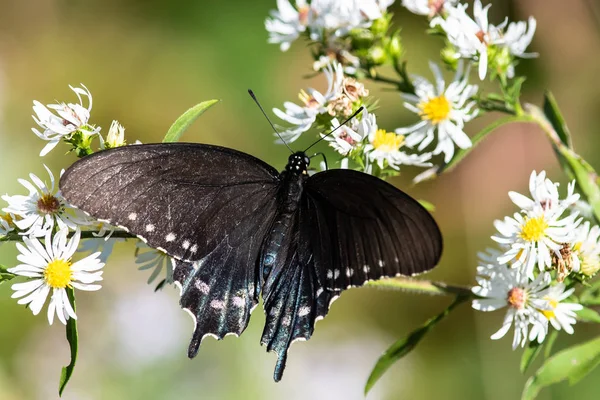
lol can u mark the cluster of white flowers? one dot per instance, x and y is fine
(545, 233)
(334, 17)
(50, 228)
(361, 139)
(477, 40)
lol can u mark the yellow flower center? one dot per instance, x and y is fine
(549, 314)
(435, 109)
(8, 218)
(534, 229)
(387, 141)
(308, 100)
(48, 204)
(58, 274)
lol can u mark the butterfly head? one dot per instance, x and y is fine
(298, 163)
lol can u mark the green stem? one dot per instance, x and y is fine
(423, 287)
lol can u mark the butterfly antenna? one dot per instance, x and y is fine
(251, 93)
(336, 128)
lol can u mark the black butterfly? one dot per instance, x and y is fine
(236, 227)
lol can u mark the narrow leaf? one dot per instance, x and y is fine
(187, 118)
(572, 364)
(73, 339)
(530, 353)
(404, 346)
(588, 315)
(554, 116)
(5, 275)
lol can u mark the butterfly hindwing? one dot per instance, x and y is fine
(294, 299)
(183, 198)
(221, 290)
(364, 229)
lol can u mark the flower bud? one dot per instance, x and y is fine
(394, 47)
(380, 26)
(376, 55)
(115, 136)
(362, 38)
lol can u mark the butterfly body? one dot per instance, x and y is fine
(238, 229)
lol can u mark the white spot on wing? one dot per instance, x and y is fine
(381, 263)
(366, 269)
(238, 301)
(217, 304)
(286, 321)
(132, 216)
(329, 274)
(202, 286)
(319, 291)
(349, 272)
(336, 273)
(303, 311)
(150, 228)
(170, 237)
(185, 244)
(194, 249)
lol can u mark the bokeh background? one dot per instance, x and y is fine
(147, 61)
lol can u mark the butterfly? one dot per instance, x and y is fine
(237, 229)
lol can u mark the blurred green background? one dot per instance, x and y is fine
(147, 61)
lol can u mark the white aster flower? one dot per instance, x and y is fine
(442, 109)
(544, 196)
(341, 16)
(69, 119)
(50, 268)
(561, 315)
(43, 207)
(585, 250)
(315, 103)
(473, 36)
(149, 258)
(533, 239)
(509, 287)
(428, 7)
(538, 233)
(384, 149)
(287, 22)
(349, 137)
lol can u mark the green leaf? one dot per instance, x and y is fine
(591, 295)
(552, 112)
(530, 353)
(585, 176)
(5, 275)
(404, 346)
(478, 138)
(73, 339)
(427, 205)
(187, 118)
(572, 364)
(588, 315)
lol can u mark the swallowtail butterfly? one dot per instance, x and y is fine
(237, 229)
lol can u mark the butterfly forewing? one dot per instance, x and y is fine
(182, 198)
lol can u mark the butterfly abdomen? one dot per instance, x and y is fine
(276, 243)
